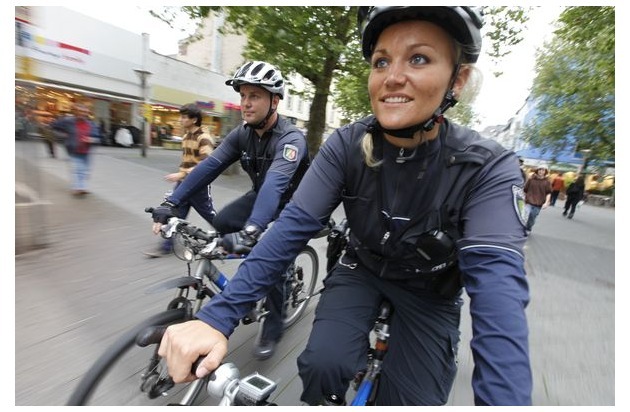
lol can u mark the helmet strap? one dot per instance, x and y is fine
(448, 101)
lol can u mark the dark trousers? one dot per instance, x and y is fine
(234, 215)
(201, 202)
(571, 204)
(50, 145)
(554, 197)
(419, 367)
(232, 218)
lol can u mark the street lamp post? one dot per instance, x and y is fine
(144, 74)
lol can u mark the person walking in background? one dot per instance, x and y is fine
(22, 122)
(196, 146)
(43, 126)
(575, 193)
(557, 186)
(537, 195)
(80, 133)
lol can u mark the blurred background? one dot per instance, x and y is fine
(560, 115)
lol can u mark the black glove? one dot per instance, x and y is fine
(241, 242)
(164, 212)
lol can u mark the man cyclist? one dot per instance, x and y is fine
(274, 154)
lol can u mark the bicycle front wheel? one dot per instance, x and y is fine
(124, 374)
(303, 277)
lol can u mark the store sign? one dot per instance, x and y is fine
(35, 45)
(231, 106)
(205, 105)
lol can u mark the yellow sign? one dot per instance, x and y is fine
(26, 65)
(147, 112)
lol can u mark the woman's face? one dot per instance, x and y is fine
(412, 64)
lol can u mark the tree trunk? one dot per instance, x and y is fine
(317, 114)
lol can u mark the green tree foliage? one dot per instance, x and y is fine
(503, 27)
(322, 45)
(574, 88)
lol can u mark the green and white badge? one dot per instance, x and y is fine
(290, 152)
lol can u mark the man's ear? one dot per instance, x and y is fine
(276, 101)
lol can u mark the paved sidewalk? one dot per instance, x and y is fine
(75, 296)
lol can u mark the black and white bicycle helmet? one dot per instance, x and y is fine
(259, 73)
(461, 22)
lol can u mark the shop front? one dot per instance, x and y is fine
(97, 64)
(164, 119)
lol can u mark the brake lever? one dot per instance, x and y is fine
(170, 228)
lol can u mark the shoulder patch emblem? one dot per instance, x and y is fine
(290, 152)
(518, 196)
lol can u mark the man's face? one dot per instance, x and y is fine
(186, 122)
(254, 103)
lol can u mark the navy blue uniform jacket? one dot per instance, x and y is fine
(490, 258)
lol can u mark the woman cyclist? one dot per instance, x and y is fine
(431, 207)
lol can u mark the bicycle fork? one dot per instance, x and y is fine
(366, 393)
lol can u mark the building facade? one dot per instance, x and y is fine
(62, 56)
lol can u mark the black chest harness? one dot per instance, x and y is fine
(258, 153)
(425, 247)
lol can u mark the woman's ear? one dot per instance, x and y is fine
(461, 80)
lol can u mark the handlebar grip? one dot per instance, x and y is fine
(196, 364)
(200, 233)
(196, 232)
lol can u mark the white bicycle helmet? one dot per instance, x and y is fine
(259, 73)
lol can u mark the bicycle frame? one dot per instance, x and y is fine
(117, 366)
(205, 269)
(366, 393)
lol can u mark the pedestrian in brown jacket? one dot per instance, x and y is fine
(537, 195)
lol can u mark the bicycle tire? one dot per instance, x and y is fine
(120, 391)
(308, 262)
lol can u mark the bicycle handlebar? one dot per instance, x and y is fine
(224, 382)
(180, 225)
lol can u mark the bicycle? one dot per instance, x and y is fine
(131, 372)
(255, 389)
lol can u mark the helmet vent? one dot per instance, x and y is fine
(243, 70)
(268, 75)
(257, 69)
